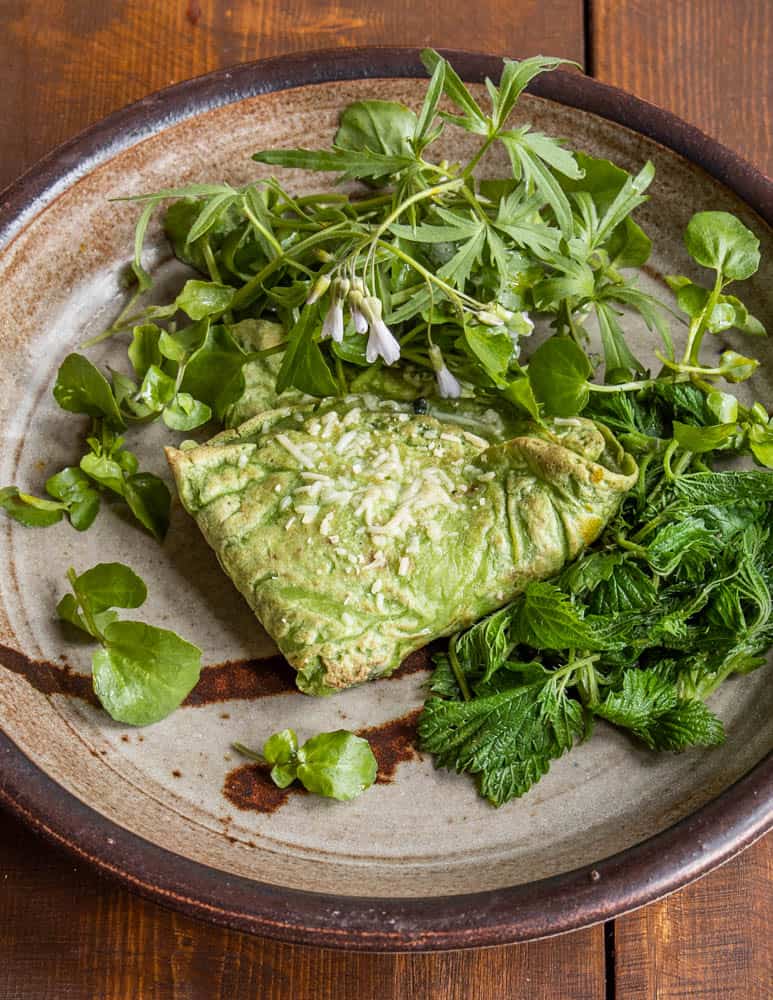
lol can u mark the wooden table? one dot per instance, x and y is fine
(65, 932)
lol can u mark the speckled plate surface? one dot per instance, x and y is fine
(419, 861)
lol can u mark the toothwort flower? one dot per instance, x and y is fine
(381, 343)
(333, 325)
(448, 384)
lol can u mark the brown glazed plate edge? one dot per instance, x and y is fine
(659, 865)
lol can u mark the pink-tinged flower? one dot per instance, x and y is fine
(333, 325)
(448, 384)
(381, 343)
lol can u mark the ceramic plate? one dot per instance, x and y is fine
(419, 861)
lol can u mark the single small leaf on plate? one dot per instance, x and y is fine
(338, 765)
(149, 500)
(111, 585)
(281, 750)
(735, 367)
(37, 514)
(144, 349)
(558, 372)
(199, 299)
(185, 413)
(721, 241)
(143, 673)
(82, 388)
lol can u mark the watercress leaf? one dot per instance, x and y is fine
(149, 500)
(338, 765)
(281, 748)
(104, 470)
(82, 388)
(68, 484)
(30, 511)
(303, 365)
(721, 241)
(558, 372)
(157, 389)
(723, 406)
(703, 439)
(761, 443)
(735, 367)
(143, 673)
(111, 585)
(83, 510)
(144, 349)
(213, 373)
(171, 348)
(199, 299)
(185, 413)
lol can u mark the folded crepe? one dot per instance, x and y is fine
(358, 530)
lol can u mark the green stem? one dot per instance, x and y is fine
(251, 754)
(478, 156)
(83, 604)
(456, 666)
(698, 328)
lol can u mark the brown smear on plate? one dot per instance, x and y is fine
(249, 787)
(234, 680)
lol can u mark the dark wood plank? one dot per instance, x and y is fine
(66, 934)
(67, 64)
(707, 60)
(711, 941)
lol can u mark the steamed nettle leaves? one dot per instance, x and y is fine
(141, 673)
(337, 765)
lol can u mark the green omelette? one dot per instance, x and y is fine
(359, 530)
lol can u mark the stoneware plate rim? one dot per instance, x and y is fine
(661, 864)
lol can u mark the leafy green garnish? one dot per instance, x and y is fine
(337, 765)
(141, 673)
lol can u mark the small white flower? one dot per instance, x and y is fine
(360, 323)
(333, 325)
(318, 289)
(381, 343)
(448, 384)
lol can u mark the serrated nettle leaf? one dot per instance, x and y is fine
(735, 367)
(545, 618)
(485, 647)
(144, 349)
(338, 765)
(200, 299)
(32, 512)
(157, 389)
(82, 388)
(143, 673)
(558, 372)
(185, 413)
(721, 241)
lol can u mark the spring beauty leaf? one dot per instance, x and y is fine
(378, 126)
(141, 673)
(200, 299)
(337, 765)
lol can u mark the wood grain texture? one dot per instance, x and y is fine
(709, 61)
(65, 933)
(711, 941)
(67, 64)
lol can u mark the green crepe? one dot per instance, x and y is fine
(359, 531)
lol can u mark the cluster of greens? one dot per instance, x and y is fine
(426, 266)
(337, 765)
(141, 673)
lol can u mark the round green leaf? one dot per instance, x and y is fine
(721, 241)
(337, 765)
(558, 372)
